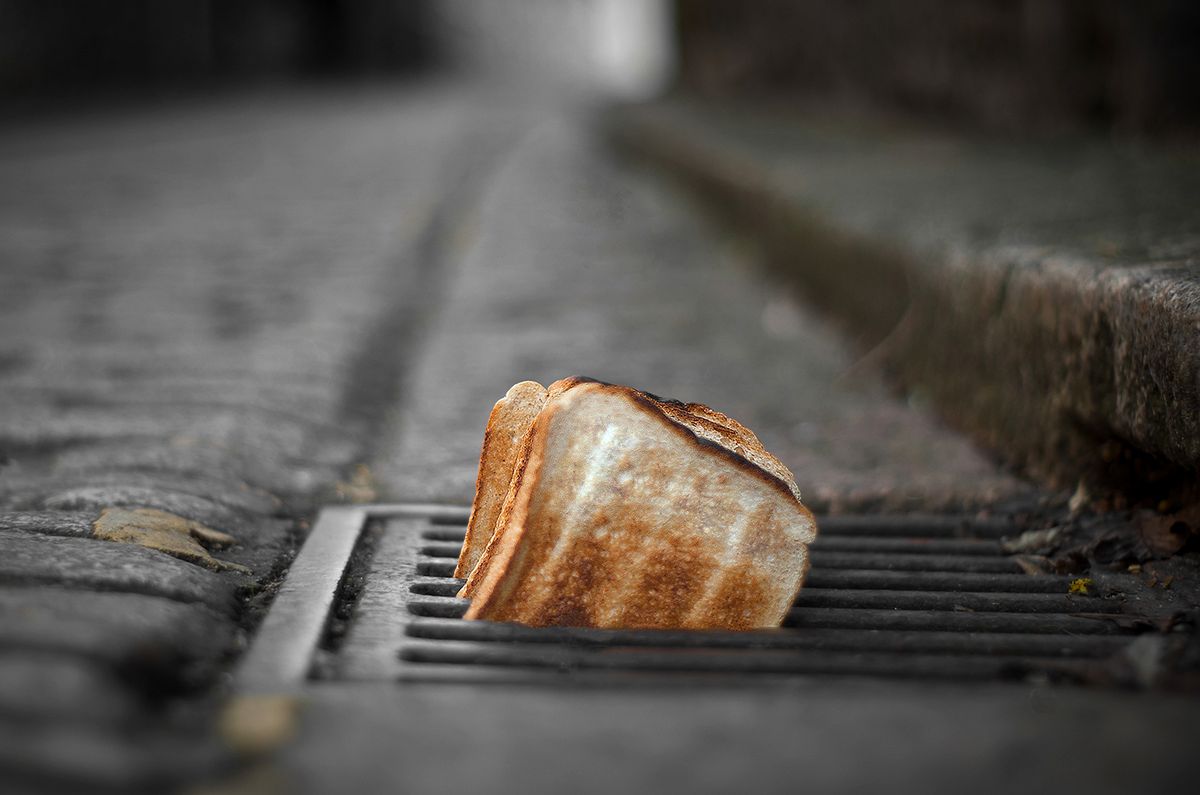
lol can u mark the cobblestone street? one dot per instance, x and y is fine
(267, 267)
(218, 316)
(207, 312)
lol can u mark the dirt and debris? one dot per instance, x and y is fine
(1033, 540)
(255, 725)
(360, 488)
(1162, 535)
(1067, 539)
(1148, 559)
(1166, 658)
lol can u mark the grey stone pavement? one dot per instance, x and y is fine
(205, 311)
(216, 317)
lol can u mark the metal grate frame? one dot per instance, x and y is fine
(932, 597)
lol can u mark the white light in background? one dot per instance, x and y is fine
(634, 47)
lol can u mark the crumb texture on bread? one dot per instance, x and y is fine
(624, 510)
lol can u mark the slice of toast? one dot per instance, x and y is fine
(624, 510)
(506, 428)
(497, 477)
(510, 421)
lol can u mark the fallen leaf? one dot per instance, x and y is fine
(1163, 535)
(1034, 540)
(165, 532)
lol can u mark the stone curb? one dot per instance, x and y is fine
(1067, 367)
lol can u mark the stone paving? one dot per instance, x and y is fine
(829, 736)
(204, 313)
(215, 317)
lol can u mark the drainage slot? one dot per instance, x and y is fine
(349, 589)
(917, 597)
(925, 597)
(448, 587)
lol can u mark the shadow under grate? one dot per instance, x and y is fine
(930, 597)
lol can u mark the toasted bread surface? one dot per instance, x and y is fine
(627, 511)
(731, 434)
(507, 426)
(514, 478)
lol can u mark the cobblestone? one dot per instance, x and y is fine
(55, 523)
(121, 629)
(35, 685)
(29, 559)
(222, 312)
(190, 299)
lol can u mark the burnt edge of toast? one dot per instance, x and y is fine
(648, 400)
(473, 529)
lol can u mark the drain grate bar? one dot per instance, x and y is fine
(935, 581)
(813, 639)
(733, 661)
(912, 546)
(937, 620)
(868, 619)
(916, 526)
(862, 599)
(944, 600)
(903, 561)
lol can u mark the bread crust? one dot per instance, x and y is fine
(728, 434)
(507, 426)
(520, 460)
(501, 567)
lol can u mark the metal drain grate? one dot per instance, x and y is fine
(933, 597)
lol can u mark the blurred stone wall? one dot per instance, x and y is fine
(583, 47)
(52, 46)
(1122, 65)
